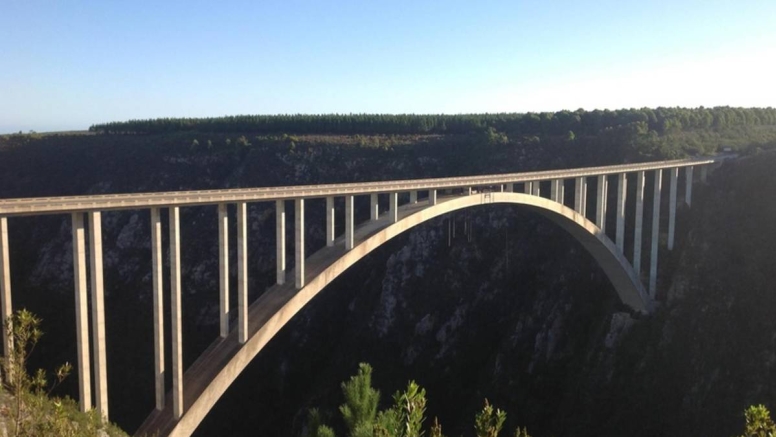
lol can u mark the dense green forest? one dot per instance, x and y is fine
(660, 120)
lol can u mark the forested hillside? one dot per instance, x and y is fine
(517, 313)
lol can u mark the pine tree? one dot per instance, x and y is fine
(360, 407)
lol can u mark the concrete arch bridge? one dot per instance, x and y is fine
(195, 390)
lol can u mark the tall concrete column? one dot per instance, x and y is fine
(600, 203)
(655, 233)
(413, 197)
(528, 187)
(639, 219)
(299, 242)
(242, 272)
(5, 286)
(432, 197)
(469, 191)
(510, 187)
(349, 226)
(175, 313)
(555, 190)
(393, 210)
(374, 207)
(672, 208)
(223, 268)
(688, 185)
(622, 191)
(158, 298)
(280, 239)
(330, 221)
(81, 313)
(98, 314)
(704, 173)
(536, 188)
(580, 191)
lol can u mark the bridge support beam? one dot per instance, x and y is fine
(413, 197)
(330, 221)
(688, 185)
(223, 269)
(81, 313)
(432, 197)
(655, 233)
(639, 219)
(555, 190)
(580, 195)
(622, 191)
(528, 187)
(98, 314)
(374, 207)
(5, 286)
(393, 211)
(349, 222)
(672, 207)
(157, 265)
(242, 272)
(510, 188)
(536, 188)
(299, 243)
(600, 203)
(280, 237)
(175, 313)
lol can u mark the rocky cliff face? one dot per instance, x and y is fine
(511, 309)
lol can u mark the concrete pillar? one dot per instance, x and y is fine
(242, 272)
(223, 268)
(393, 210)
(158, 298)
(536, 189)
(655, 233)
(98, 314)
(555, 190)
(580, 188)
(175, 313)
(639, 219)
(299, 242)
(528, 187)
(584, 197)
(510, 187)
(413, 197)
(432, 197)
(688, 185)
(5, 286)
(330, 221)
(374, 207)
(81, 313)
(600, 203)
(672, 207)
(622, 191)
(280, 239)
(704, 173)
(469, 191)
(349, 222)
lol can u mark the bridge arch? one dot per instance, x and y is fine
(216, 369)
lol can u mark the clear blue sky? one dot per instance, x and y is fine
(68, 64)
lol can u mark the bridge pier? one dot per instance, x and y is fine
(158, 299)
(374, 207)
(393, 210)
(536, 188)
(223, 269)
(639, 219)
(622, 192)
(510, 188)
(556, 190)
(81, 313)
(580, 195)
(98, 314)
(349, 222)
(674, 172)
(280, 235)
(528, 187)
(175, 313)
(242, 272)
(655, 233)
(330, 221)
(299, 243)
(414, 196)
(600, 203)
(432, 197)
(5, 286)
(688, 185)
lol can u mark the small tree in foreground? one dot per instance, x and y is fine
(759, 422)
